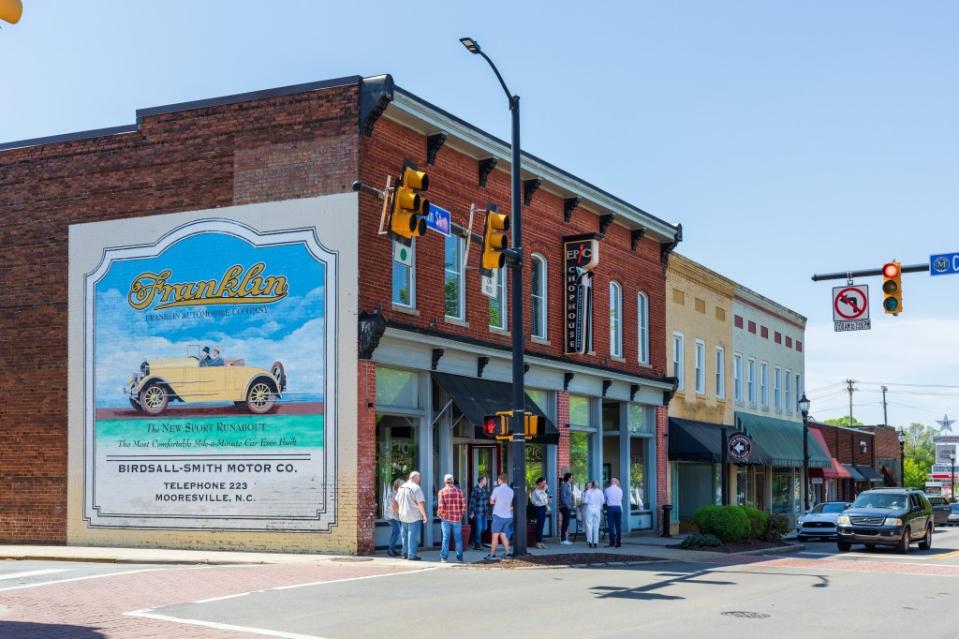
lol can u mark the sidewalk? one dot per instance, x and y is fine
(640, 546)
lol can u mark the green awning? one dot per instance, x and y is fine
(782, 441)
(691, 440)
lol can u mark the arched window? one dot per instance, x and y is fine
(642, 313)
(538, 288)
(615, 319)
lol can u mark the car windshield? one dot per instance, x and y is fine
(829, 508)
(886, 501)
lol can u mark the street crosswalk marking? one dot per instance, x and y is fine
(32, 573)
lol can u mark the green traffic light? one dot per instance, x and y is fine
(890, 304)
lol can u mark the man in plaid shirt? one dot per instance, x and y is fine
(479, 510)
(450, 507)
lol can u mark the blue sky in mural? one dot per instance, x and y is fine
(290, 330)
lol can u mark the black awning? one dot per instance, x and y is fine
(871, 474)
(854, 472)
(477, 398)
(691, 440)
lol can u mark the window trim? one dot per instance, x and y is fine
(394, 262)
(787, 403)
(778, 389)
(764, 384)
(616, 338)
(679, 364)
(700, 350)
(461, 276)
(751, 381)
(543, 281)
(720, 374)
(738, 379)
(504, 307)
(642, 327)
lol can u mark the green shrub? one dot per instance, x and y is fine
(777, 527)
(758, 522)
(696, 540)
(729, 523)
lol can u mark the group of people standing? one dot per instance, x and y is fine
(405, 510)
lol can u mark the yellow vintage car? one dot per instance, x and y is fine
(193, 379)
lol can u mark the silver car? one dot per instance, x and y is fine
(820, 521)
(953, 518)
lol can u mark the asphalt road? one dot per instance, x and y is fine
(819, 590)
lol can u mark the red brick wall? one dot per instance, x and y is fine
(454, 185)
(276, 148)
(662, 460)
(562, 424)
(366, 454)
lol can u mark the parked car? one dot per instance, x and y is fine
(193, 379)
(940, 508)
(887, 517)
(953, 519)
(820, 521)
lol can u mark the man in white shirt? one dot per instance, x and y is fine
(502, 502)
(614, 512)
(410, 502)
(593, 500)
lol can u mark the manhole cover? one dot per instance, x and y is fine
(746, 614)
(351, 560)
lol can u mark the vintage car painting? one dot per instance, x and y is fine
(198, 378)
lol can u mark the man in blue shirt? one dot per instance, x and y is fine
(479, 510)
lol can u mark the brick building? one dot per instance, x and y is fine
(864, 457)
(230, 225)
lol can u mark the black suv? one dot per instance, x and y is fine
(887, 517)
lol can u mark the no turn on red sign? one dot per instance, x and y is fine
(850, 308)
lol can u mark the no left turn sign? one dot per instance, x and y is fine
(850, 308)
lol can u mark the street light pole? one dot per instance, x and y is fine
(518, 447)
(902, 457)
(804, 409)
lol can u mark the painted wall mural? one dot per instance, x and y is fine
(209, 367)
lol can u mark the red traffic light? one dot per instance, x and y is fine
(489, 425)
(890, 270)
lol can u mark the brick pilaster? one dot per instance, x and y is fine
(366, 456)
(562, 424)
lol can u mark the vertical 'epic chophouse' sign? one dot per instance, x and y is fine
(581, 255)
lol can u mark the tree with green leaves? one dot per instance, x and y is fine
(920, 452)
(843, 421)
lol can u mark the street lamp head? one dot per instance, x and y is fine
(902, 436)
(471, 45)
(804, 406)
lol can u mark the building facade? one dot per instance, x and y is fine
(182, 254)
(699, 312)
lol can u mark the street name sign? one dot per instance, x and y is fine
(438, 219)
(850, 308)
(944, 264)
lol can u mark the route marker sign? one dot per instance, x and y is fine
(850, 308)
(944, 264)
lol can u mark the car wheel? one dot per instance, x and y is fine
(260, 398)
(843, 546)
(926, 542)
(154, 399)
(903, 546)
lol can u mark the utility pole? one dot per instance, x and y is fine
(851, 389)
(885, 415)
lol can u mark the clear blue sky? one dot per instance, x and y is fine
(788, 138)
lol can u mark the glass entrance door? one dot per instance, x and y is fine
(485, 464)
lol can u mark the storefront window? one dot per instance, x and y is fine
(579, 461)
(395, 454)
(785, 485)
(742, 486)
(396, 387)
(540, 398)
(638, 422)
(579, 410)
(637, 474)
(535, 464)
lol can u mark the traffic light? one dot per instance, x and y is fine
(892, 288)
(11, 10)
(534, 425)
(409, 207)
(495, 240)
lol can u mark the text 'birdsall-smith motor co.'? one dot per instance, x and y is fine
(237, 286)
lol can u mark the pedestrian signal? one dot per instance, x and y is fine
(497, 425)
(408, 219)
(892, 288)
